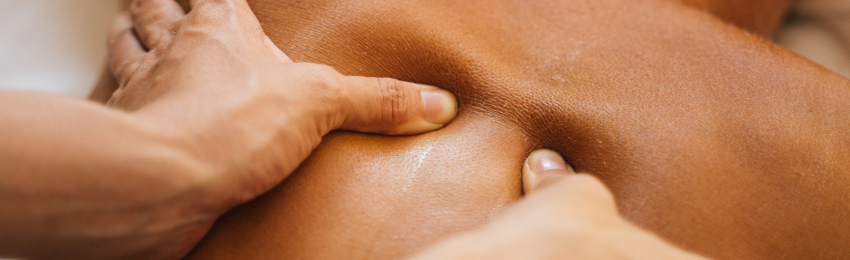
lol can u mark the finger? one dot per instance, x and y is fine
(224, 13)
(239, 4)
(542, 167)
(185, 5)
(546, 172)
(193, 3)
(389, 106)
(125, 51)
(154, 21)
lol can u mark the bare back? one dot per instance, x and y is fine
(711, 137)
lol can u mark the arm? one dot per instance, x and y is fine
(78, 175)
(211, 117)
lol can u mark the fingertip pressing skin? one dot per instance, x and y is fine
(393, 107)
(439, 107)
(542, 164)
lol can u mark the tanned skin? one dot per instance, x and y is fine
(705, 133)
(209, 114)
(776, 202)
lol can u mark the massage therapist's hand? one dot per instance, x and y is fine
(210, 114)
(564, 216)
(220, 88)
(213, 79)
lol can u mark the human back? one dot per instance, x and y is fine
(716, 140)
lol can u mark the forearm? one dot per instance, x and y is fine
(76, 174)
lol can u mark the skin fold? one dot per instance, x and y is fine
(706, 134)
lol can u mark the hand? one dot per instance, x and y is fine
(213, 115)
(219, 88)
(565, 216)
(217, 65)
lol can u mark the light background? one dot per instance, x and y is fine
(56, 46)
(59, 46)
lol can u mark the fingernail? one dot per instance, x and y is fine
(439, 106)
(544, 160)
(537, 162)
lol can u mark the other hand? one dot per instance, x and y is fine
(564, 216)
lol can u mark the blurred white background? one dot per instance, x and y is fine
(59, 46)
(56, 46)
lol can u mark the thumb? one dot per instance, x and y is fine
(389, 106)
(546, 172)
(542, 168)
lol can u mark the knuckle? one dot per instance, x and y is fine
(151, 17)
(324, 82)
(138, 5)
(393, 101)
(159, 49)
(116, 98)
(202, 17)
(125, 72)
(159, 40)
(211, 12)
(322, 76)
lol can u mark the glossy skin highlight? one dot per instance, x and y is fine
(562, 215)
(711, 137)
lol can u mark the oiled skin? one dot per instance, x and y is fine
(713, 138)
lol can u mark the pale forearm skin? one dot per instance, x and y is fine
(206, 117)
(189, 135)
(79, 175)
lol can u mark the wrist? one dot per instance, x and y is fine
(214, 150)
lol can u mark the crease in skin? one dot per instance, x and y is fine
(677, 113)
(462, 52)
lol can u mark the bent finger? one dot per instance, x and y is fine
(125, 51)
(194, 3)
(389, 106)
(154, 21)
